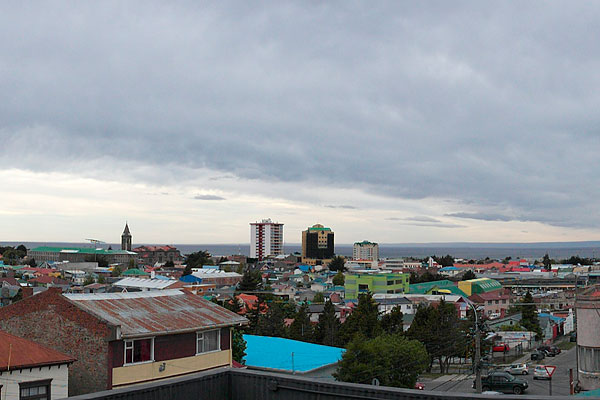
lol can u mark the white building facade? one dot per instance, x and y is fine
(365, 250)
(266, 239)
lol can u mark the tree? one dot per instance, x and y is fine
(131, 263)
(233, 304)
(116, 271)
(439, 330)
(251, 281)
(271, 323)
(547, 262)
(32, 263)
(187, 270)
(339, 279)
(239, 346)
(529, 317)
(337, 263)
(468, 275)
(328, 327)
(319, 298)
(253, 313)
(301, 328)
(425, 277)
(198, 259)
(101, 279)
(392, 322)
(169, 265)
(88, 280)
(446, 261)
(393, 359)
(362, 321)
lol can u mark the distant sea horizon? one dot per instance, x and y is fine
(465, 250)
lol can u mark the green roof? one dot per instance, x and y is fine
(486, 284)
(319, 229)
(426, 287)
(81, 250)
(134, 271)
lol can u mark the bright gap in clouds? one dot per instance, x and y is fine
(66, 207)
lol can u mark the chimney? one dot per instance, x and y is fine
(26, 292)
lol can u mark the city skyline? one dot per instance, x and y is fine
(395, 123)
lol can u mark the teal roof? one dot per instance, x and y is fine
(422, 288)
(486, 284)
(134, 271)
(319, 229)
(81, 250)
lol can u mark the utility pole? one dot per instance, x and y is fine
(477, 358)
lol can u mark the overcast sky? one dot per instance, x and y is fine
(424, 121)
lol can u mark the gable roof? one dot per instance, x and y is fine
(156, 312)
(23, 353)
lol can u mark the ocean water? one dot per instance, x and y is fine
(458, 250)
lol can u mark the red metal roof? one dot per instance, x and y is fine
(16, 352)
(156, 312)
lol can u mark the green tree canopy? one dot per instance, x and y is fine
(271, 323)
(239, 346)
(468, 275)
(339, 279)
(529, 317)
(392, 322)
(327, 330)
(301, 328)
(251, 281)
(393, 359)
(198, 259)
(364, 320)
(338, 263)
(319, 298)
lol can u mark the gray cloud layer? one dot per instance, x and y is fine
(493, 105)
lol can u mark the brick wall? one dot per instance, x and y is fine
(49, 319)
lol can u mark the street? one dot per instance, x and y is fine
(560, 379)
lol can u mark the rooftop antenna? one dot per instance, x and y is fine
(95, 241)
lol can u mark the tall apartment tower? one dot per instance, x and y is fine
(266, 239)
(317, 245)
(126, 239)
(365, 250)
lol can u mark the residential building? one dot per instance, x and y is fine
(495, 303)
(365, 250)
(380, 282)
(148, 284)
(266, 239)
(436, 287)
(126, 239)
(121, 339)
(29, 370)
(150, 255)
(587, 310)
(317, 245)
(218, 277)
(479, 285)
(387, 302)
(80, 254)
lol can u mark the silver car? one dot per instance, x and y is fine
(517, 369)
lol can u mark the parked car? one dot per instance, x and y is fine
(502, 347)
(419, 386)
(502, 382)
(540, 372)
(538, 355)
(549, 351)
(517, 369)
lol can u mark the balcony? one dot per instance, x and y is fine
(243, 384)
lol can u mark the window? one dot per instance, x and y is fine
(497, 301)
(38, 390)
(207, 341)
(589, 359)
(390, 283)
(139, 350)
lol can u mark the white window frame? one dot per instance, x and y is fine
(130, 342)
(201, 334)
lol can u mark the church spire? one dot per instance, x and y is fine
(126, 238)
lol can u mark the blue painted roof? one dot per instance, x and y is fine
(276, 353)
(552, 317)
(305, 268)
(449, 269)
(190, 279)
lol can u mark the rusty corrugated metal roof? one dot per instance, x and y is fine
(156, 312)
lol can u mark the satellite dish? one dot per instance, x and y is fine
(375, 382)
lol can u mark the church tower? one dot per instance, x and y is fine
(126, 239)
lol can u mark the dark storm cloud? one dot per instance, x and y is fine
(208, 197)
(489, 104)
